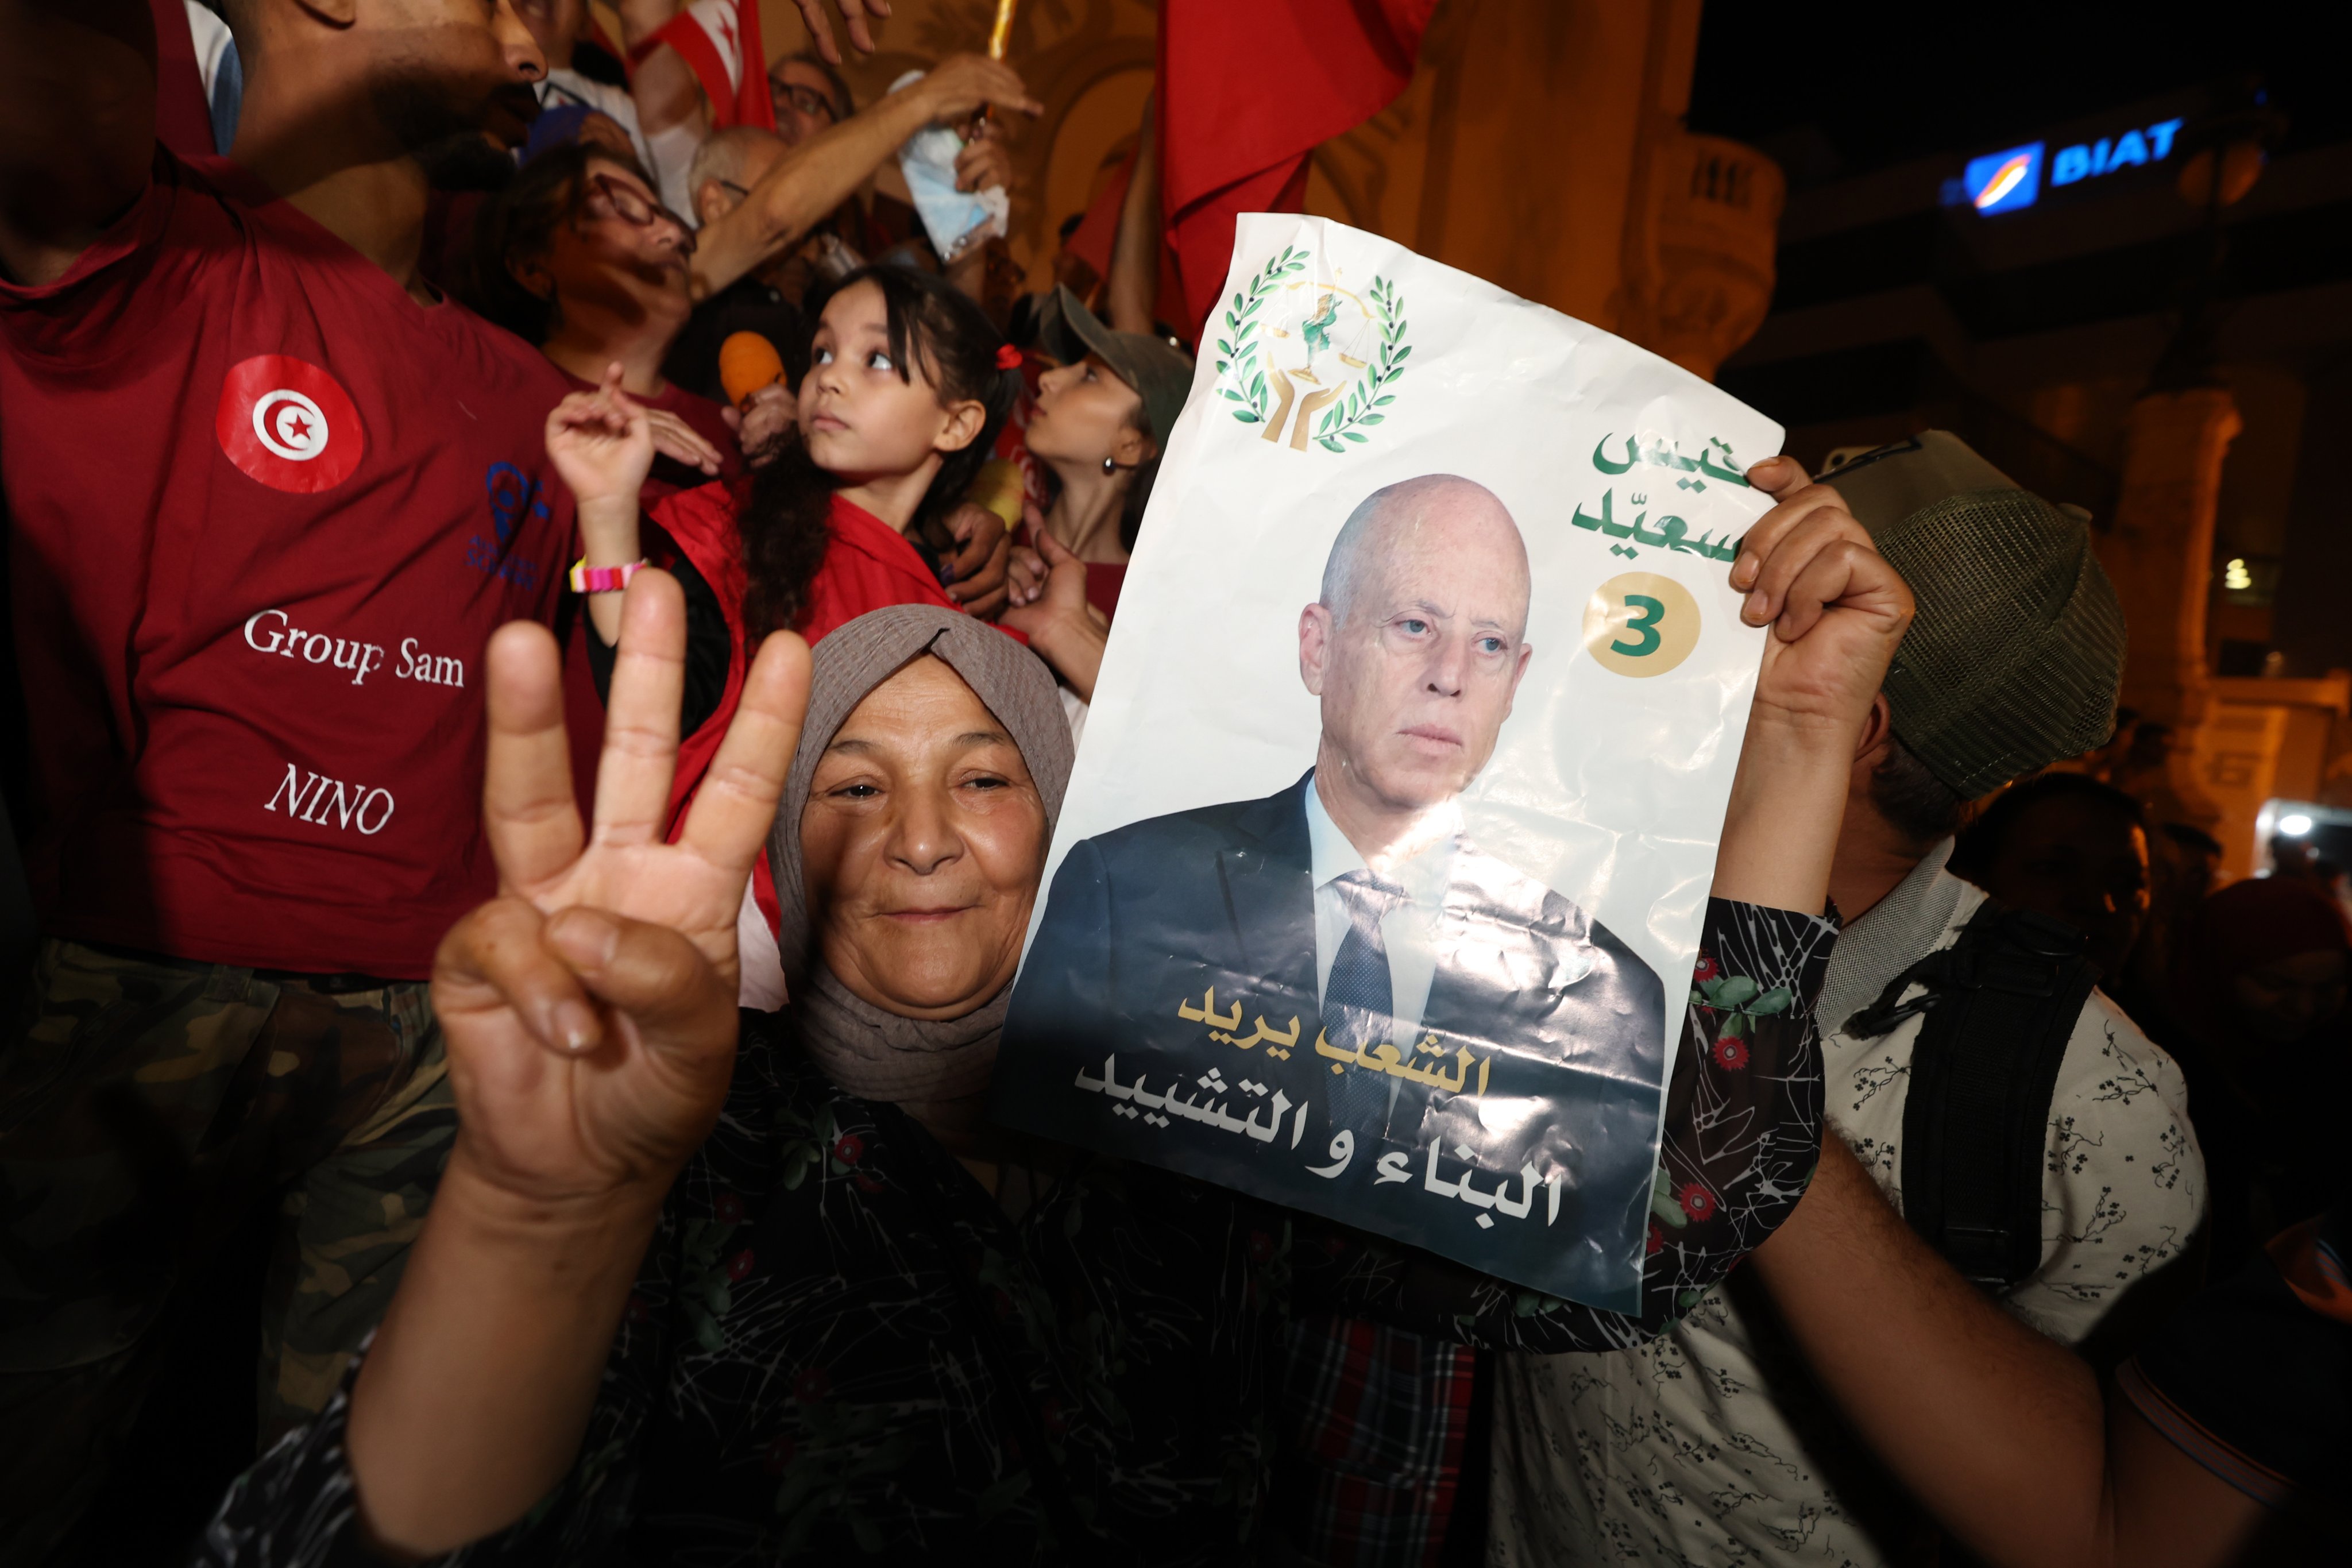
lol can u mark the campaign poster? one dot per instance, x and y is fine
(1381, 877)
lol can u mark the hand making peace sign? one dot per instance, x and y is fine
(590, 1008)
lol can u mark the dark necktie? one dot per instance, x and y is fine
(1358, 1001)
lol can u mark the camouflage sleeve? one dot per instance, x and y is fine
(1742, 1133)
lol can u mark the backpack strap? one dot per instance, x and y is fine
(2001, 1005)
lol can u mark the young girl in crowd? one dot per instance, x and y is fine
(906, 388)
(1101, 421)
(908, 385)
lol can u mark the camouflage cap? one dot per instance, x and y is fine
(1161, 373)
(2017, 654)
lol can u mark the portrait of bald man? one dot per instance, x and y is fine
(1476, 1009)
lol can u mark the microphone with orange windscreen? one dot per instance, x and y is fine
(748, 361)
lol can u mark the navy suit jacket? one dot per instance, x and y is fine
(1562, 1024)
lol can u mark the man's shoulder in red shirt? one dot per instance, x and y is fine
(267, 508)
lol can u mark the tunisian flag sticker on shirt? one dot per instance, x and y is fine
(287, 423)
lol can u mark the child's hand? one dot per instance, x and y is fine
(602, 443)
(676, 439)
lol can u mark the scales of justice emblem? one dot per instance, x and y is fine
(1308, 358)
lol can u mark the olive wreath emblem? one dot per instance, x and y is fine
(1245, 363)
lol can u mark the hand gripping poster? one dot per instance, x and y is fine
(1383, 865)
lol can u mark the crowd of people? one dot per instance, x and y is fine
(550, 630)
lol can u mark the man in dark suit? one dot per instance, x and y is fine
(1416, 1005)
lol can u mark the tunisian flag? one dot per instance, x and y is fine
(720, 40)
(1248, 89)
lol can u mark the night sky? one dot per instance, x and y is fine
(1892, 82)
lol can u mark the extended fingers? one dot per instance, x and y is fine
(854, 12)
(529, 813)
(736, 803)
(675, 438)
(820, 30)
(640, 755)
(1001, 85)
(495, 957)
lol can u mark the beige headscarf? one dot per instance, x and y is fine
(937, 1069)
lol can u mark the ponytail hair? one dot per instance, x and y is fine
(933, 325)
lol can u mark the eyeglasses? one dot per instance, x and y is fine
(807, 100)
(631, 206)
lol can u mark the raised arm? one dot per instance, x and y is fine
(819, 174)
(77, 126)
(1134, 285)
(1836, 610)
(2001, 1433)
(663, 85)
(602, 444)
(590, 1013)
(1744, 1096)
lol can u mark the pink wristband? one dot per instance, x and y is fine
(587, 579)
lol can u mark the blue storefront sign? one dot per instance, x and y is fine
(2016, 177)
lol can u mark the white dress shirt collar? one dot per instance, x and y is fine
(1409, 931)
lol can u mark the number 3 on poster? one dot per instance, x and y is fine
(1640, 624)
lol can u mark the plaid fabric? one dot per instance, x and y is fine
(1376, 1420)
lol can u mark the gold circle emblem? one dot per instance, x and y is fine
(1640, 624)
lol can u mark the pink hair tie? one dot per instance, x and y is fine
(1007, 357)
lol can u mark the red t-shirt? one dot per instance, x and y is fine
(869, 565)
(266, 510)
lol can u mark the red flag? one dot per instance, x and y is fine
(720, 40)
(1248, 89)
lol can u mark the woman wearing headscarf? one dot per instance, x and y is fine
(2259, 985)
(823, 1308)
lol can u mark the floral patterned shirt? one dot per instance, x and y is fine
(842, 1348)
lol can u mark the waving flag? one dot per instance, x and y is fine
(1248, 89)
(720, 40)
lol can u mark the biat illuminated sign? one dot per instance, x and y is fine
(2014, 178)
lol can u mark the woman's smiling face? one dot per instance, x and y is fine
(923, 840)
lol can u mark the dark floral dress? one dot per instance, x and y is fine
(841, 1349)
